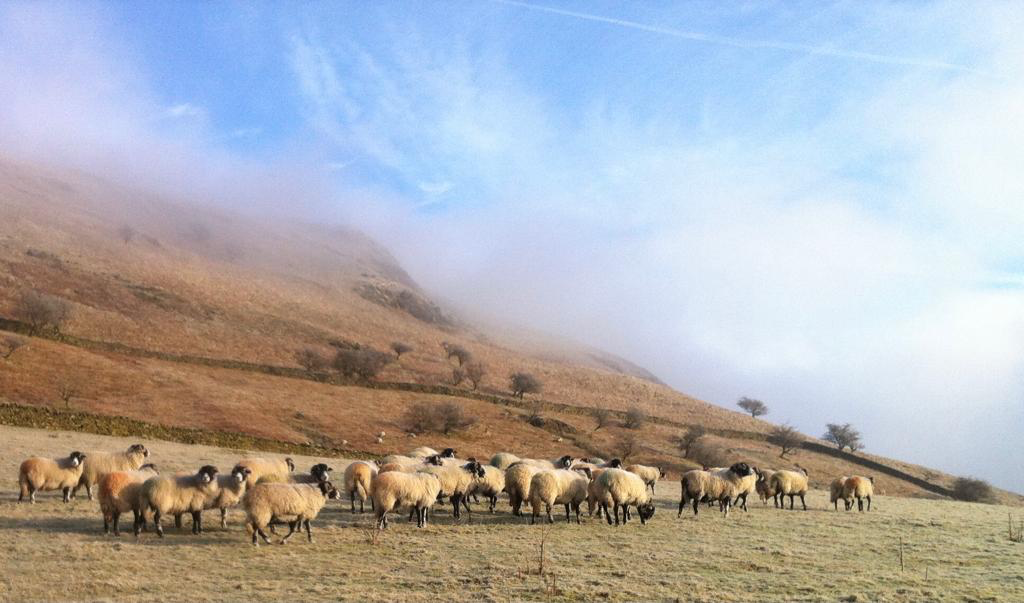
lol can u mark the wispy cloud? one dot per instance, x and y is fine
(184, 110)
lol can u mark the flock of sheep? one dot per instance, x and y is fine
(272, 493)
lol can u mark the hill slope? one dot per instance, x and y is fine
(171, 279)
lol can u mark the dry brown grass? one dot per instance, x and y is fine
(953, 551)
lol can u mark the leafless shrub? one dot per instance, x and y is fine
(635, 418)
(458, 375)
(843, 436)
(41, 311)
(785, 437)
(534, 414)
(445, 417)
(626, 446)
(475, 372)
(708, 454)
(67, 390)
(756, 408)
(9, 345)
(457, 352)
(311, 359)
(400, 348)
(126, 233)
(686, 440)
(47, 257)
(523, 383)
(602, 417)
(973, 490)
(362, 363)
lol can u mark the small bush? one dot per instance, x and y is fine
(42, 312)
(363, 363)
(311, 360)
(458, 375)
(523, 383)
(400, 348)
(756, 408)
(9, 345)
(708, 454)
(602, 417)
(446, 417)
(475, 372)
(457, 352)
(973, 490)
(635, 418)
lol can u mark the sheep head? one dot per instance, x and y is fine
(329, 491)
(661, 473)
(615, 463)
(291, 464)
(241, 473)
(564, 462)
(137, 448)
(741, 469)
(76, 458)
(207, 474)
(434, 459)
(448, 453)
(475, 468)
(646, 511)
(321, 472)
(149, 466)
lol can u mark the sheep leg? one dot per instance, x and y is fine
(607, 515)
(116, 521)
(411, 512)
(567, 519)
(224, 518)
(696, 505)
(682, 504)
(177, 520)
(869, 503)
(547, 509)
(493, 502)
(197, 522)
(106, 523)
(615, 507)
(791, 501)
(456, 500)
(156, 521)
(362, 509)
(860, 504)
(578, 522)
(802, 501)
(309, 532)
(352, 499)
(291, 530)
(67, 495)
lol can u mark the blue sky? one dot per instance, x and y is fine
(817, 204)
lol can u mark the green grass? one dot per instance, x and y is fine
(952, 551)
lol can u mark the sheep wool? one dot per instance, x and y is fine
(358, 481)
(720, 485)
(178, 494)
(503, 460)
(295, 504)
(764, 487)
(260, 467)
(118, 493)
(861, 488)
(456, 482)
(230, 490)
(558, 487)
(98, 464)
(517, 483)
(622, 488)
(791, 484)
(649, 474)
(43, 474)
(835, 493)
(489, 486)
(395, 490)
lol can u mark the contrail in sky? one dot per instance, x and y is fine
(742, 43)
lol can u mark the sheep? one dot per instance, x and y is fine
(359, 478)
(260, 467)
(790, 483)
(395, 489)
(748, 486)
(649, 474)
(623, 488)
(118, 492)
(296, 504)
(721, 485)
(425, 451)
(412, 462)
(558, 487)
(386, 467)
(517, 484)
(230, 490)
(455, 483)
(562, 462)
(593, 493)
(764, 487)
(835, 490)
(319, 472)
(43, 474)
(860, 488)
(98, 464)
(490, 485)
(177, 494)
(503, 460)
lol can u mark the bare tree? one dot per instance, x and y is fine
(458, 375)
(363, 363)
(709, 454)
(635, 418)
(457, 352)
(126, 233)
(42, 311)
(475, 372)
(626, 446)
(400, 348)
(785, 437)
(446, 417)
(534, 414)
(756, 408)
(843, 436)
(688, 438)
(10, 345)
(67, 390)
(311, 359)
(602, 417)
(523, 383)
(453, 418)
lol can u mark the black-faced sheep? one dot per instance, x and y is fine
(178, 494)
(97, 464)
(621, 489)
(649, 474)
(489, 486)
(558, 487)
(261, 467)
(42, 474)
(395, 489)
(718, 485)
(517, 483)
(791, 484)
(295, 504)
(456, 482)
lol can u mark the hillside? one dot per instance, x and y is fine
(168, 280)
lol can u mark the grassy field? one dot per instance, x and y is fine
(951, 551)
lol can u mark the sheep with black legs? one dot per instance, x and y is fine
(456, 482)
(835, 493)
(489, 486)
(98, 464)
(410, 463)
(358, 481)
(747, 487)
(622, 489)
(861, 488)
(396, 490)
(649, 474)
(791, 484)
(231, 489)
(425, 451)
(294, 504)
(517, 483)
(558, 487)
(176, 495)
(562, 462)
(503, 460)
(261, 467)
(118, 493)
(764, 487)
(716, 485)
(42, 474)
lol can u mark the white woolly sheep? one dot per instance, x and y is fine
(622, 488)
(413, 463)
(261, 467)
(178, 494)
(791, 483)
(764, 487)
(395, 489)
(456, 482)
(97, 464)
(517, 484)
(593, 492)
(503, 460)
(42, 474)
(719, 485)
(748, 486)
(489, 486)
(424, 451)
(860, 488)
(359, 477)
(295, 504)
(558, 487)
(835, 493)
(649, 474)
(230, 491)
(118, 493)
